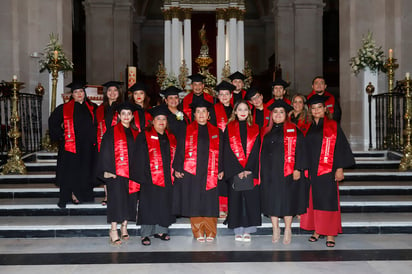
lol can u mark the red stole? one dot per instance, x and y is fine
(330, 129)
(121, 155)
(190, 162)
(69, 136)
(236, 142)
(189, 99)
(243, 92)
(303, 125)
(289, 140)
(221, 118)
(155, 156)
(266, 116)
(147, 116)
(329, 103)
(101, 124)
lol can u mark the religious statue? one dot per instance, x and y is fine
(204, 49)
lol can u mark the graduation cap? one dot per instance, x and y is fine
(237, 75)
(125, 105)
(77, 84)
(251, 92)
(172, 90)
(316, 99)
(200, 104)
(159, 110)
(280, 82)
(224, 85)
(116, 84)
(138, 86)
(196, 78)
(280, 104)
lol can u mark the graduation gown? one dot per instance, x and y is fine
(323, 214)
(244, 206)
(175, 126)
(191, 98)
(75, 171)
(280, 195)
(190, 196)
(121, 205)
(142, 118)
(331, 104)
(155, 202)
(302, 124)
(261, 117)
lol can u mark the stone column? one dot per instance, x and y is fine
(284, 30)
(99, 40)
(168, 40)
(240, 40)
(175, 41)
(187, 48)
(122, 38)
(220, 43)
(308, 43)
(232, 14)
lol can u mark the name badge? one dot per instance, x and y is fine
(290, 130)
(214, 136)
(154, 137)
(329, 106)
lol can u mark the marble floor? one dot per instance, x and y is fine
(354, 253)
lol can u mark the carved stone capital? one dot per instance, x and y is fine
(167, 15)
(175, 12)
(187, 13)
(220, 14)
(232, 12)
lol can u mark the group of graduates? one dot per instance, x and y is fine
(236, 157)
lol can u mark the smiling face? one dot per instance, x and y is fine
(201, 115)
(257, 101)
(278, 92)
(172, 101)
(112, 94)
(197, 88)
(319, 86)
(78, 95)
(242, 112)
(138, 97)
(318, 111)
(278, 115)
(224, 97)
(298, 104)
(125, 117)
(239, 84)
(160, 123)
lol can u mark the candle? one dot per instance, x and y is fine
(390, 53)
(14, 77)
(56, 55)
(407, 75)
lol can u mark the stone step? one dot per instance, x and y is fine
(96, 226)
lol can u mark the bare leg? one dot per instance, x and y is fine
(114, 235)
(275, 228)
(123, 231)
(330, 241)
(287, 238)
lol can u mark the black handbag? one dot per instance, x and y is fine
(246, 183)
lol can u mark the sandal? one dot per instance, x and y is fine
(247, 237)
(75, 201)
(104, 202)
(146, 241)
(200, 239)
(163, 237)
(330, 243)
(313, 238)
(287, 237)
(125, 236)
(116, 242)
(210, 239)
(238, 238)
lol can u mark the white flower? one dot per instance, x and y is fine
(179, 115)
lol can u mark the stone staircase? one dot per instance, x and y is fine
(375, 198)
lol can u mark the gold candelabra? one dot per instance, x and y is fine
(406, 162)
(15, 164)
(390, 66)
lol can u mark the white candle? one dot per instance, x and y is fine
(390, 53)
(14, 77)
(407, 75)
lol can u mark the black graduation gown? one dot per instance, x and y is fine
(280, 195)
(243, 206)
(109, 111)
(324, 187)
(155, 202)
(120, 204)
(259, 117)
(190, 197)
(75, 171)
(228, 112)
(175, 126)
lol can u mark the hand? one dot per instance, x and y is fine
(241, 175)
(109, 175)
(339, 175)
(220, 175)
(247, 173)
(179, 175)
(296, 175)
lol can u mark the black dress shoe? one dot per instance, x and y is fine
(61, 204)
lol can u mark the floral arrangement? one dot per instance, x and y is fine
(179, 115)
(170, 80)
(53, 53)
(369, 56)
(210, 80)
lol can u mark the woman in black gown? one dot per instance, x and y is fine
(282, 161)
(241, 161)
(155, 150)
(73, 125)
(114, 169)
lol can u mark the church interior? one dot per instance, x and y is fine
(161, 41)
